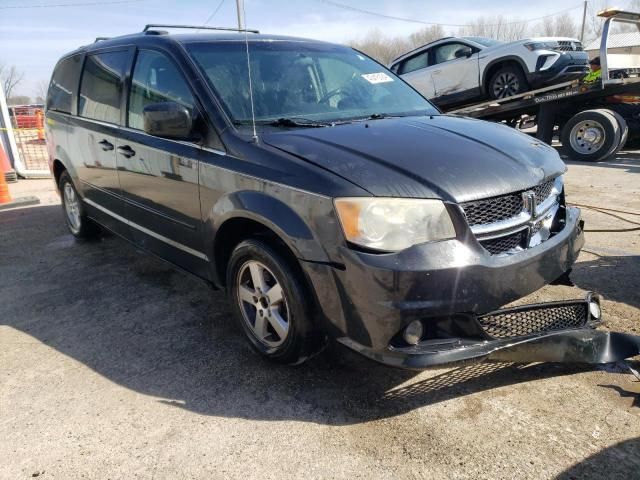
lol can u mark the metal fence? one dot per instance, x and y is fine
(22, 137)
(28, 131)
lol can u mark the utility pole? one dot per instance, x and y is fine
(584, 18)
(240, 8)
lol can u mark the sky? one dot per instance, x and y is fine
(35, 35)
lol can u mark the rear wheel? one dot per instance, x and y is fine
(624, 130)
(591, 136)
(271, 304)
(507, 81)
(79, 224)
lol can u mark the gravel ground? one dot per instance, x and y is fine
(114, 365)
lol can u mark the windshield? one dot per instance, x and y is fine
(303, 81)
(487, 42)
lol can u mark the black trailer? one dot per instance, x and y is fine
(593, 120)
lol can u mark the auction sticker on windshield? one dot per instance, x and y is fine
(377, 77)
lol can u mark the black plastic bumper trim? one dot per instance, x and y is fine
(579, 345)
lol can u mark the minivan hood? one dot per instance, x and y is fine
(442, 156)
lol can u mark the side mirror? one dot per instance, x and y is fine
(169, 120)
(463, 52)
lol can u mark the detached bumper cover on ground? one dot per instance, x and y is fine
(567, 334)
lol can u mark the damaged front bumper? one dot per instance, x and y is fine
(566, 333)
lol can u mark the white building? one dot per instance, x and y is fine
(623, 50)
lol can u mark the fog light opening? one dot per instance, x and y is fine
(595, 310)
(413, 333)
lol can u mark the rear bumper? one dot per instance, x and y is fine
(583, 344)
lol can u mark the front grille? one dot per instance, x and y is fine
(567, 46)
(490, 210)
(503, 207)
(519, 322)
(499, 245)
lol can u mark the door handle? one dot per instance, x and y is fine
(436, 72)
(127, 151)
(106, 145)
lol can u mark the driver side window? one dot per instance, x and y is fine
(447, 52)
(155, 79)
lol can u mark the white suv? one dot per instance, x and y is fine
(452, 71)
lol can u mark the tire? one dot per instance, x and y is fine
(604, 136)
(624, 129)
(78, 223)
(281, 329)
(631, 114)
(506, 82)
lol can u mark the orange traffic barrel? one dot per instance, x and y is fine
(10, 175)
(5, 196)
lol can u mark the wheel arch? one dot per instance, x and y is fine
(57, 168)
(496, 64)
(60, 163)
(251, 214)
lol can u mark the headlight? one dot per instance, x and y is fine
(542, 46)
(392, 224)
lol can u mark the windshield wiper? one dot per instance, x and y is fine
(290, 122)
(285, 122)
(377, 116)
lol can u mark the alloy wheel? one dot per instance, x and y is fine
(506, 85)
(263, 304)
(72, 207)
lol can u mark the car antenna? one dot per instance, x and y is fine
(253, 115)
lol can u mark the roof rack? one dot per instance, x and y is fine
(100, 39)
(198, 27)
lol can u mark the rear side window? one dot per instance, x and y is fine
(415, 63)
(101, 87)
(155, 79)
(63, 82)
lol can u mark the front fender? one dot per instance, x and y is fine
(290, 225)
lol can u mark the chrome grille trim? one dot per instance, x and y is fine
(527, 228)
(510, 225)
(570, 46)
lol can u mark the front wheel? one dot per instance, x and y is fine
(271, 304)
(506, 82)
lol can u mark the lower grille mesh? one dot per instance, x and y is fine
(527, 321)
(499, 245)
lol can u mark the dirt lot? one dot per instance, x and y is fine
(114, 365)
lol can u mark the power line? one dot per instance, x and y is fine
(412, 20)
(212, 15)
(77, 4)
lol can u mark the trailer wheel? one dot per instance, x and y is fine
(631, 114)
(591, 136)
(624, 129)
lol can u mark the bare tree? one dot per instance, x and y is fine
(426, 35)
(379, 46)
(560, 26)
(498, 27)
(19, 100)
(41, 91)
(595, 24)
(10, 77)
